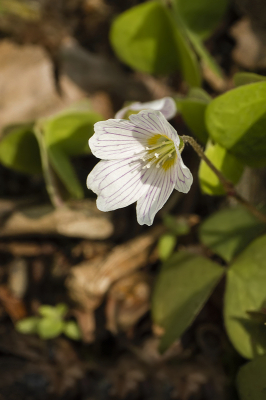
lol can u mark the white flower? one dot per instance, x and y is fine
(167, 106)
(140, 162)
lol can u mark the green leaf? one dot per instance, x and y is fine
(225, 162)
(245, 291)
(245, 78)
(48, 311)
(251, 381)
(27, 326)
(145, 37)
(49, 328)
(59, 311)
(227, 232)
(178, 226)
(70, 131)
(193, 109)
(237, 121)
(54, 186)
(189, 65)
(201, 16)
(166, 245)
(72, 330)
(20, 8)
(204, 54)
(63, 167)
(183, 286)
(19, 150)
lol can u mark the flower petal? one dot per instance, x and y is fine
(166, 105)
(160, 184)
(184, 177)
(117, 138)
(118, 183)
(154, 121)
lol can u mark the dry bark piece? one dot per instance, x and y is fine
(128, 300)
(18, 277)
(87, 324)
(14, 307)
(27, 249)
(89, 282)
(79, 219)
(93, 280)
(27, 85)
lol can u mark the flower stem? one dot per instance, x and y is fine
(228, 186)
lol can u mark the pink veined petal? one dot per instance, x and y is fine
(117, 139)
(160, 185)
(117, 183)
(167, 106)
(184, 177)
(154, 121)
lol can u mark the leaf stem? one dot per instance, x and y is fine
(228, 186)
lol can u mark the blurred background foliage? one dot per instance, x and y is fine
(175, 311)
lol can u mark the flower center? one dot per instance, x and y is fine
(160, 151)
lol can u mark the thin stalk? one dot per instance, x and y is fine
(228, 186)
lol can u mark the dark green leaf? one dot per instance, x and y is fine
(237, 121)
(244, 78)
(229, 231)
(145, 37)
(245, 291)
(54, 186)
(206, 58)
(201, 16)
(19, 150)
(251, 382)
(183, 286)
(177, 225)
(193, 109)
(63, 167)
(225, 162)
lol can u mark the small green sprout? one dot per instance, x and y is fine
(50, 323)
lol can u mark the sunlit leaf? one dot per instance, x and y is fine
(70, 131)
(183, 286)
(225, 162)
(58, 311)
(49, 328)
(27, 325)
(166, 246)
(61, 309)
(72, 330)
(245, 291)
(237, 121)
(227, 232)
